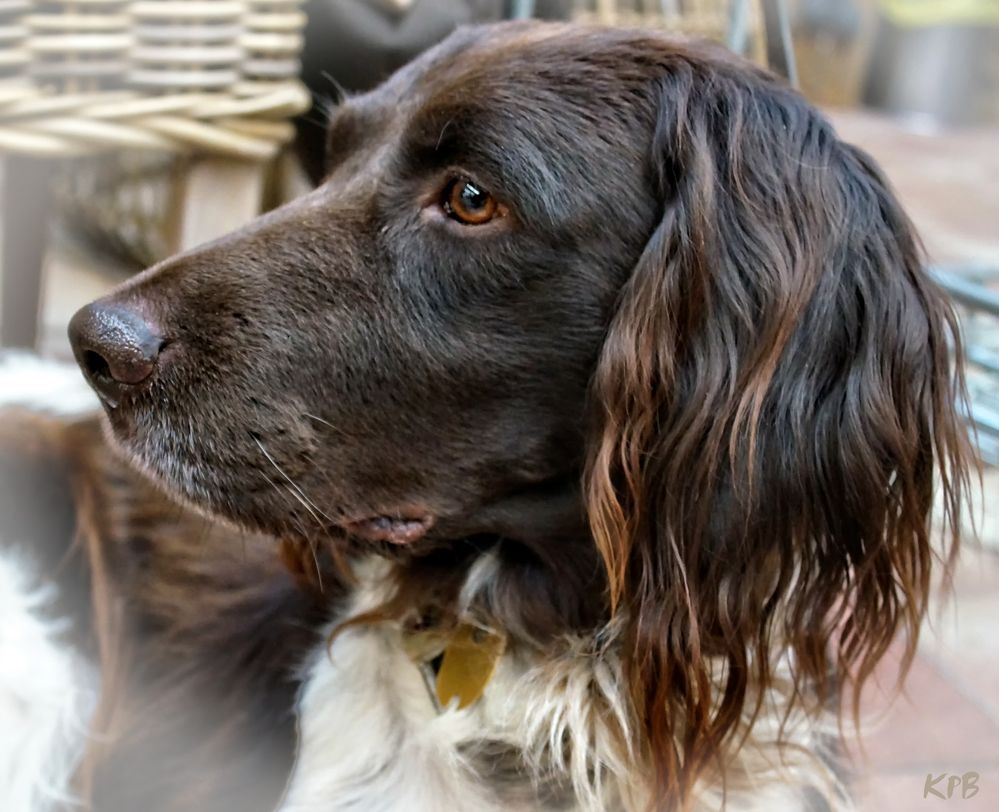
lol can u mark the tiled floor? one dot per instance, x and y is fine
(948, 719)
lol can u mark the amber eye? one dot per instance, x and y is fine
(468, 203)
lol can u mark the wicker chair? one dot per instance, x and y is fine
(215, 78)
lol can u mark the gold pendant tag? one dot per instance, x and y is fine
(469, 661)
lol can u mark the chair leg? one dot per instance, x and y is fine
(780, 49)
(216, 196)
(26, 197)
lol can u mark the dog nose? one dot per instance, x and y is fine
(116, 348)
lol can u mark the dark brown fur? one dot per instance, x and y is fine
(698, 378)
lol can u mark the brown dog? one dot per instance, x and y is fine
(598, 343)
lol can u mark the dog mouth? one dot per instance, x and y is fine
(262, 483)
(399, 530)
(205, 486)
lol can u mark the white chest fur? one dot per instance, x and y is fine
(372, 739)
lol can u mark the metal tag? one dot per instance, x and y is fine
(469, 661)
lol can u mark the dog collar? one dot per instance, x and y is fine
(456, 664)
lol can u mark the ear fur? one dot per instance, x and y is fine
(774, 400)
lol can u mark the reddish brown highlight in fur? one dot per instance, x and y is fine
(773, 401)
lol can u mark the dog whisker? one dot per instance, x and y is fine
(319, 420)
(307, 503)
(313, 550)
(311, 506)
(305, 534)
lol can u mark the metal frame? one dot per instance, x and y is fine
(966, 287)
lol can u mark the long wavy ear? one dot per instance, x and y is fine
(772, 405)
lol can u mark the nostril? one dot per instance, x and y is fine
(95, 365)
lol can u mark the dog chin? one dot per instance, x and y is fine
(182, 480)
(200, 484)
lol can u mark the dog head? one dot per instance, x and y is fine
(414, 339)
(559, 272)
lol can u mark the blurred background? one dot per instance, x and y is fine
(131, 130)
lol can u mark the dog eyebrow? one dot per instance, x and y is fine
(434, 129)
(344, 132)
(509, 157)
